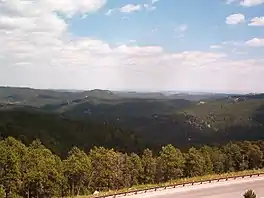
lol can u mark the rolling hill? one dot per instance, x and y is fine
(61, 134)
(62, 119)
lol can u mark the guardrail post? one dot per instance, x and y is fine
(174, 185)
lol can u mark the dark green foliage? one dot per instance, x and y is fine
(135, 168)
(59, 134)
(34, 171)
(250, 194)
(2, 192)
(122, 125)
(207, 154)
(41, 175)
(195, 163)
(128, 124)
(170, 164)
(149, 167)
(77, 171)
(235, 159)
(218, 159)
(10, 163)
(107, 169)
(253, 155)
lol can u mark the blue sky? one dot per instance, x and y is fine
(190, 45)
(205, 20)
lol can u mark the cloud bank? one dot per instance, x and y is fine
(37, 50)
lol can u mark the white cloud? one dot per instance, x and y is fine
(180, 30)
(66, 7)
(255, 42)
(183, 27)
(250, 3)
(235, 19)
(124, 18)
(37, 50)
(154, 1)
(130, 8)
(246, 3)
(239, 52)
(257, 21)
(215, 46)
(149, 7)
(233, 43)
(132, 41)
(231, 1)
(109, 12)
(154, 29)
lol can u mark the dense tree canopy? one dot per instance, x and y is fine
(34, 171)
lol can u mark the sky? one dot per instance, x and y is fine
(144, 45)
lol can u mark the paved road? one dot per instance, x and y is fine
(230, 189)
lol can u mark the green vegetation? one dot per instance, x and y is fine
(60, 134)
(181, 181)
(38, 98)
(74, 143)
(129, 125)
(217, 119)
(34, 171)
(223, 114)
(182, 123)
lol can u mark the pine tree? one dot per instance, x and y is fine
(195, 164)
(10, 175)
(41, 176)
(149, 167)
(170, 164)
(107, 169)
(77, 170)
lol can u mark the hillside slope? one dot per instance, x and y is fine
(222, 114)
(101, 117)
(60, 134)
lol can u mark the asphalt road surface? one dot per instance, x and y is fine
(229, 189)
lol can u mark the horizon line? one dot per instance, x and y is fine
(133, 90)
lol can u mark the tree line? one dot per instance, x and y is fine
(34, 171)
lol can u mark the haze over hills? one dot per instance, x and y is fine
(24, 95)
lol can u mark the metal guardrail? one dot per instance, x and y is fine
(158, 188)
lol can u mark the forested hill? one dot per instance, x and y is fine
(60, 134)
(40, 97)
(128, 121)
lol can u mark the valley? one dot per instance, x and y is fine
(128, 121)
